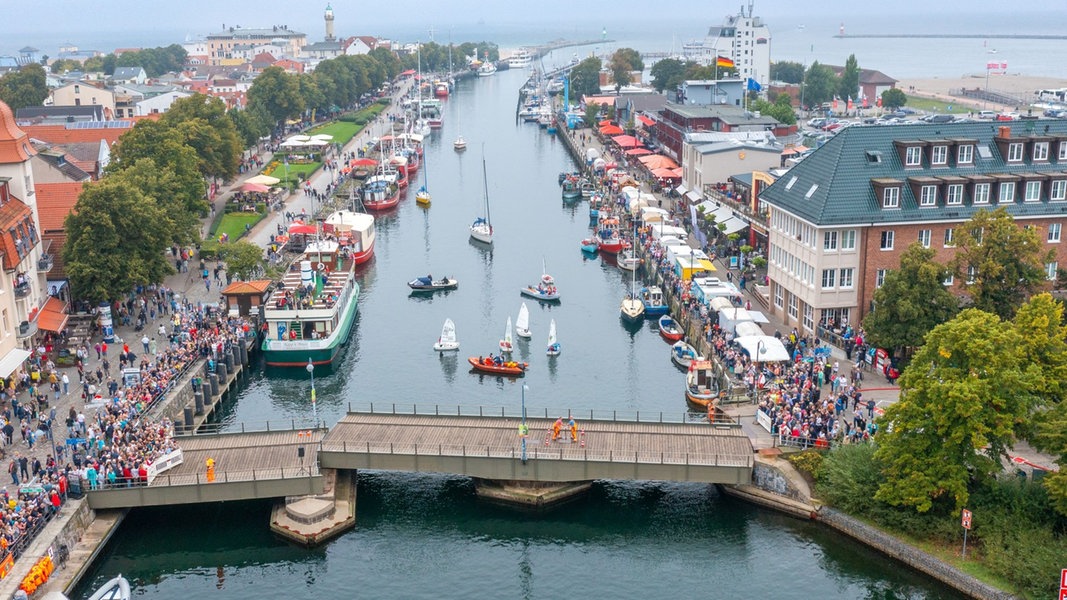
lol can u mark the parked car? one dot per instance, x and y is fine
(940, 119)
(987, 114)
(1007, 117)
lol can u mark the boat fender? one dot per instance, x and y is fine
(321, 267)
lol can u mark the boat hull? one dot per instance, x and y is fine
(668, 329)
(701, 400)
(485, 237)
(517, 371)
(656, 310)
(632, 311)
(531, 292)
(446, 346)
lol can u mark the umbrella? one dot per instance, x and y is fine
(363, 162)
(658, 161)
(301, 228)
(254, 187)
(299, 137)
(664, 173)
(322, 136)
(626, 141)
(611, 130)
(414, 137)
(638, 152)
(263, 179)
(605, 122)
(677, 173)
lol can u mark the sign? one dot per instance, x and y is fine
(1063, 578)
(1063, 593)
(6, 565)
(966, 520)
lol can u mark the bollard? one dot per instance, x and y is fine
(235, 350)
(198, 402)
(243, 349)
(188, 419)
(223, 372)
(229, 362)
(214, 379)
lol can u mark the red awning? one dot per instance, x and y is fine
(301, 228)
(611, 130)
(363, 162)
(51, 316)
(626, 141)
(647, 122)
(657, 161)
(408, 72)
(638, 152)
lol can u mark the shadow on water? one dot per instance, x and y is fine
(449, 365)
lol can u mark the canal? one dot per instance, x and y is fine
(427, 536)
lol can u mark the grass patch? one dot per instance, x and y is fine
(234, 223)
(342, 131)
(931, 105)
(292, 175)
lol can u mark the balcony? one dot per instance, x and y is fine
(22, 290)
(26, 329)
(44, 264)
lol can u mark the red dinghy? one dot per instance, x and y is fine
(669, 329)
(508, 368)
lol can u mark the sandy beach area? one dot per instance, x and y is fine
(1022, 86)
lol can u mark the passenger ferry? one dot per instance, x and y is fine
(521, 58)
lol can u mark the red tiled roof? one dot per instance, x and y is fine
(59, 134)
(14, 144)
(54, 203)
(13, 213)
(247, 287)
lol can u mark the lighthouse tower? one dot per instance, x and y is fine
(329, 23)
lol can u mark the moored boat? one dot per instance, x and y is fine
(652, 297)
(545, 290)
(683, 354)
(628, 262)
(700, 387)
(380, 193)
(460, 143)
(669, 329)
(608, 238)
(116, 588)
(589, 245)
(354, 230)
(429, 284)
(498, 366)
(571, 191)
(482, 228)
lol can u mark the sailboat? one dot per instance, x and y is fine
(505, 344)
(522, 324)
(633, 310)
(448, 340)
(553, 345)
(422, 197)
(482, 228)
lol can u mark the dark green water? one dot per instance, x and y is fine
(427, 537)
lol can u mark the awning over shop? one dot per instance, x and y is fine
(693, 196)
(647, 122)
(733, 225)
(52, 316)
(12, 360)
(763, 348)
(681, 189)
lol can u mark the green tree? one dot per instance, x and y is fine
(277, 94)
(849, 82)
(912, 301)
(893, 99)
(250, 124)
(959, 407)
(242, 258)
(787, 71)
(1051, 437)
(1005, 261)
(780, 110)
(105, 63)
(667, 74)
(62, 65)
(585, 78)
(820, 84)
(204, 125)
(116, 238)
(175, 187)
(24, 87)
(592, 110)
(388, 60)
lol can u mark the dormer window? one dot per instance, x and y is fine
(981, 193)
(1033, 191)
(955, 194)
(1062, 156)
(1015, 152)
(965, 155)
(939, 155)
(928, 195)
(1007, 192)
(891, 197)
(1040, 151)
(913, 156)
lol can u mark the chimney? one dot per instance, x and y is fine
(1004, 132)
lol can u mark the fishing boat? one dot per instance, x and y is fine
(310, 313)
(380, 192)
(460, 143)
(587, 188)
(669, 329)
(628, 262)
(482, 228)
(431, 111)
(116, 588)
(429, 284)
(652, 297)
(683, 354)
(571, 191)
(487, 68)
(589, 245)
(553, 344)
(700, 387)
(545, 290)
(492, 365)
(448, 340)
(440, 89)
(522, 323)
(506, 345)
(608, 238)
(353, 230)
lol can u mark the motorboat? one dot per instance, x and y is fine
(486, 69)
(553, 348)
(522, 323)
(355, 231)
(683, 354)
(117, 588)
(632, 309)
(498, 366)
(669, 329)
(380, 193)
(587, 188)
(652, 297)
(460, 143)
(700, 387)
(448, 340)
(589, 245)
(608, 238)
(628, 262)
(571, 190)
(521, 58)
(545, 290)
(429, 284)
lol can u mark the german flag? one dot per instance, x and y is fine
(722, 61)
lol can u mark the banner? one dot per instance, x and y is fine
(6, 565)
(163, 463)
(763, 419)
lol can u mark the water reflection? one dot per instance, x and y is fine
(449, 365)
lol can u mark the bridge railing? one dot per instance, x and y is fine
(256, 426)
(515, 412)
(537, 452)
(168, 480)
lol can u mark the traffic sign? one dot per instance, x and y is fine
(1063, 593)
(1063, 578)
(966, 521)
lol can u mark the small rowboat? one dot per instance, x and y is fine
(683, 354)
(669, 329)
(590, 245)
(508, 368)
(426, 284)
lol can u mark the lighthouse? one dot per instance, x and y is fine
(329, 23)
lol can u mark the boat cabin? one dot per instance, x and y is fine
(305, 305)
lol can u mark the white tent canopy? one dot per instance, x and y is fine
(733, 225)
(591, 153)
(763, 348)
(291, 143)
(747, 328)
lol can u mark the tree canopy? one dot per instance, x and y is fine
(667, 74)
(893, 99)
(781, 109)
(242, 258)
(585, 78)
(820, 84)
(622, 63)
(24, 87)
(912, 300)
(154, 61)
(204, 126)
(849, 81)
(787, 71)
(277, 94)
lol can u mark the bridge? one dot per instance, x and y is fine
(470, 442)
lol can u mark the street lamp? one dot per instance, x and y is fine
(311, 371)
(523, 430)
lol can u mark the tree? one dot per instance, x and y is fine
(667, 74)
(780, 110)
(959, 407)
(242, 258)
(820, 84)
(849, 82)
(1005, 262)
(204, 125)
(277, 93)
(175, 187)
(629, 56)
(591, 111)
(116, 238)
(912, 301)
(62, 65)
(787, 71)
(250, 124)
(1051, 437)
(893, 99)
(585, 78)
(24, 87)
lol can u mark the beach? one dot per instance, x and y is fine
(1022, 86)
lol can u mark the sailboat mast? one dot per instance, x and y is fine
(485, 184)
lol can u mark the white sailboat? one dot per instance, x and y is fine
(633, 310)
(482, 228)
(422, 197)
(522, 324)
(448, 340)
(505, 344)
(553, 345)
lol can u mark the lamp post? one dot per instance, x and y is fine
(523, 431)
(760, 349)
(314, 410)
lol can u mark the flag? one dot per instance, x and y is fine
(722, 61)
(754, 86)
(850, 106)
(990, 66)
(1003, 66)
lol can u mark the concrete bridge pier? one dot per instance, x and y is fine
(530, 495)
(312, 520)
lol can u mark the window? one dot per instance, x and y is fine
(809, 317)
(1040, 151)
(879, 277)
(972, 272)
(1033, 191)
(792, 306)
(913, 156)
(829, 278)
(949, 280)
(845, 278)
(829, 240)
(778, 300)
(891, 197)
(811, 190)
(1050, 270)
(1063, 151)
(928, 195)
(1015, 152)
(1054, 233)
(977, 234)
(848, 239)
(887, 240)
(924, 237)
(950, 238)
(955, 194)
(77, 89)
(939, 155)
(1007, 192)
(792, 180)
(981, 193)
(1058, 190)
(965, 155)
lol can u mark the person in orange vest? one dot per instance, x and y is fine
(210, 469)
(574, 430)
(556, 427)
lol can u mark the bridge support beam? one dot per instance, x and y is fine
(529, 495)
(312, 520)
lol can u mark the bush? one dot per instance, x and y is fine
(261, 207)
(849, 477)
(808, 461)
(1026, 556)
(209, 250)
(349, 118)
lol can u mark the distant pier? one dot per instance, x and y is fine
(958, 36)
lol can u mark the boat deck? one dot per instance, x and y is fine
(334, 285)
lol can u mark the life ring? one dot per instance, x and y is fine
(320, 266)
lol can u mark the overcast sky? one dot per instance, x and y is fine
(47, 24)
